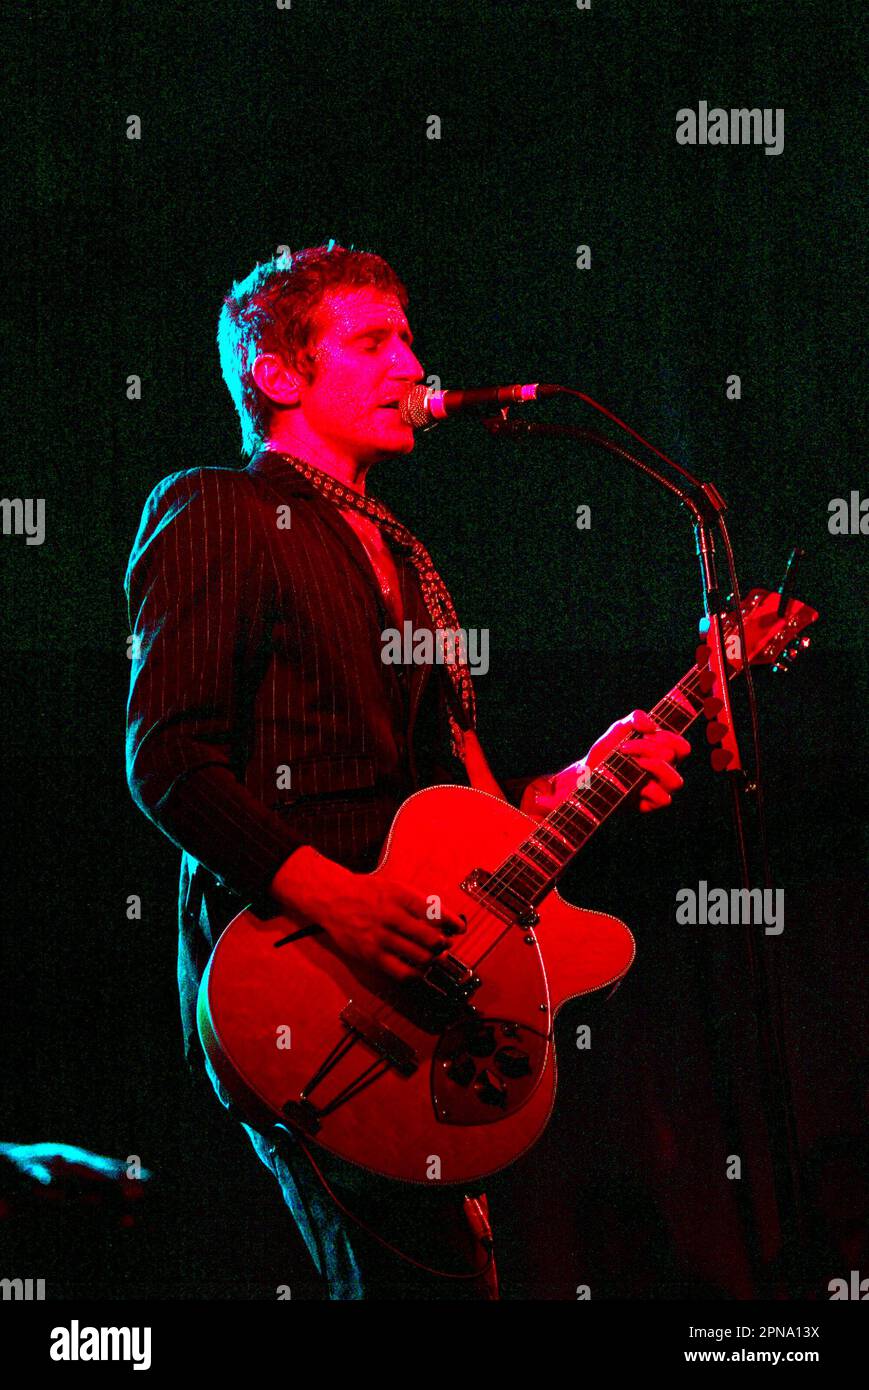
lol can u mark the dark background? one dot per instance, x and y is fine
(264, 127)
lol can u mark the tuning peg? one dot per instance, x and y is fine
(800, 646)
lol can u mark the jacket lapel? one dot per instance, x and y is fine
(416, 613)
(288, 481)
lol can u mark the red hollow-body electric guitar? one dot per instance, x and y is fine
(457, 1067)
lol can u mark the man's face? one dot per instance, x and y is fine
(364, 363)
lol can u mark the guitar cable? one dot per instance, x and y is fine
(486, 1238)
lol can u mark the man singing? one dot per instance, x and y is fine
(258, 600)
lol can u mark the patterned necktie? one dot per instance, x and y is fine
(435, 593)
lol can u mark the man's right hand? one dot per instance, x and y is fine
(372, 917)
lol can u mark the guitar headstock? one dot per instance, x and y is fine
(771, 638)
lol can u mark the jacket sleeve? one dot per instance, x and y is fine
(515, 787)
(198, 589)
(449, 770)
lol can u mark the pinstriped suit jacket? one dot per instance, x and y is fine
(257, 661)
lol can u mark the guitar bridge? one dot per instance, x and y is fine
(501, 901)
(382, 1039)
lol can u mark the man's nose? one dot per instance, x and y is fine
(407, 364)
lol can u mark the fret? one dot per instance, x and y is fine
(535, 841)
(560, 837)
(533, 864)
(573, 804)
(548, 829)
(574, 831)
(683, 694)
(669, 715)
(627, 769)
(608, 773)
(673, 715)
(680, 698)
(601, 795)
(523, 879)
(685, 698)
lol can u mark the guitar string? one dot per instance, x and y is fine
(570, 817)
(689, 685)
(598, 800)
(630, 776)
(481, 915)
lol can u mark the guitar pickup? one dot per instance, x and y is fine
(451, 978)
(402, 1056)
(500, 899)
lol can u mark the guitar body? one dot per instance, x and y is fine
(443, 1070)
(452, 1076)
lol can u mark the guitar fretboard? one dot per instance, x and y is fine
(532, 869)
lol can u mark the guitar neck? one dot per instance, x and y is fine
(769, 622)
(534, 867)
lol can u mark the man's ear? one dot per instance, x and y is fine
(275, 380)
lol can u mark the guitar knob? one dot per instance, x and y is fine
(781, 668)
(512, 1061)
(482, 1042)
(491, 1089)
(462, 1069)
(805, 642)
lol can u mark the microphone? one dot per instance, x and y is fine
(420, 405)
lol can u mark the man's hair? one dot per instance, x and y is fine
(275, 309)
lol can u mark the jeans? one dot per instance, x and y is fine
(445, 1229)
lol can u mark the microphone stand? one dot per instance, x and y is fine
(706, 506)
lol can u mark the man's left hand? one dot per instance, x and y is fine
(655, 751)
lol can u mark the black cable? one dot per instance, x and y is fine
(486, 1240)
